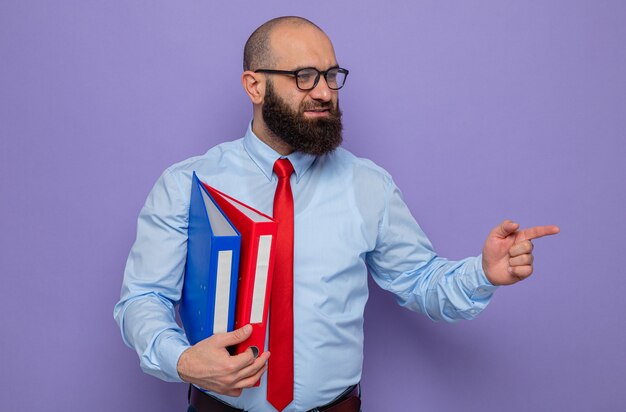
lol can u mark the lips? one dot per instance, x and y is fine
(317, 112)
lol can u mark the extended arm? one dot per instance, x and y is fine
(405, 264)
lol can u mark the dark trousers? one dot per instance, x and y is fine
(191, 409)
(348, 396)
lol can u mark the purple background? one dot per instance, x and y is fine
(481, 110)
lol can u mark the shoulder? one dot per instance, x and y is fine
(212, 159)
(175, 181)
(358, 168)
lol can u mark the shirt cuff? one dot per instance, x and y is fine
(171, 346)
(476, 283)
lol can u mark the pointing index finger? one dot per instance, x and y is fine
(539, 231)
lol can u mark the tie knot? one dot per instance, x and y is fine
(283, 168)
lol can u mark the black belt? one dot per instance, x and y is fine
(348, 401)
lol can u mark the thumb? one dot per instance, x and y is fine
(234, 337)
(505, 229)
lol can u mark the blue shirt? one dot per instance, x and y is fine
(349, 218)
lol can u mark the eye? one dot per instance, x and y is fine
(307, 76)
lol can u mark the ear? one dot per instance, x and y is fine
(254, 85)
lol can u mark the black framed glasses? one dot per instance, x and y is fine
(309, 77)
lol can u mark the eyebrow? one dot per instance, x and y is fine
(336, 66)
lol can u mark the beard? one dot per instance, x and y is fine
(316, 136)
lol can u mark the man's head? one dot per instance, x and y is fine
(285, 116)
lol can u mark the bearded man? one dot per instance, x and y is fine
(348, 217)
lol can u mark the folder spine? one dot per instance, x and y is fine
(211, 271)
(255, 271)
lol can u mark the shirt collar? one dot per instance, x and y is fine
(265, 157)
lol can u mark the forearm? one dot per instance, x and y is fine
(148, 325)
(443, 290)
(405, 264)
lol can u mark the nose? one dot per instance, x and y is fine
(321, 92)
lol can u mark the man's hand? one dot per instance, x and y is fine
(208, 364)
(507, 254)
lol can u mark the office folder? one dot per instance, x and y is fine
(256, 266)
(211, 271)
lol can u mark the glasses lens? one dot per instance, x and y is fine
(336, 78)
(306, 78)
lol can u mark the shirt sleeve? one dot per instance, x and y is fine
(405, 264)
(153, 280)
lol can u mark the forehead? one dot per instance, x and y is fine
(296, 46)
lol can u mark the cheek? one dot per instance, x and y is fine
(290, 95)
(293, 101)
(297, 103)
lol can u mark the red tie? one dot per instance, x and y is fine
(280, 369)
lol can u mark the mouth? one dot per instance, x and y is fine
(319, 112)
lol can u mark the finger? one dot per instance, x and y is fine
(241, 361)
(521, 260)
(522, 248)
(253, 369)
(539, 231)
(521, 272)
(506, 228)
(245, 360)
(234, 337)
(252, 380)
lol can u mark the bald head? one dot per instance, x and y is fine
(257, 52)
(287, 117)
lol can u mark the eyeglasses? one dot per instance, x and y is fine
(309, 77)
